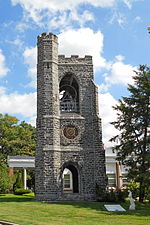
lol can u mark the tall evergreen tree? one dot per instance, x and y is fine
(133, 122)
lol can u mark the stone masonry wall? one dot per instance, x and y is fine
(55, 151)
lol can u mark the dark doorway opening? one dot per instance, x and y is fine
(74, 177)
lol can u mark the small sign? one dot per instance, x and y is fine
(112, 208)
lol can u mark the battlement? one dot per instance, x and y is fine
(46, 37)
(74, 59)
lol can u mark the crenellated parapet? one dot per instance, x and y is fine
(75, 59)
(45, 37)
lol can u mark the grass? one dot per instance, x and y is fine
(24, 211)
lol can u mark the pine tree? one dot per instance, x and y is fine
(133, 122)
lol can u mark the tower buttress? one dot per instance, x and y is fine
(48, 124)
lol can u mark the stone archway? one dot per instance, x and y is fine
(69, 94)
(73, 178)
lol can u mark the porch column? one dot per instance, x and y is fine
(118, 175)
(25, 178)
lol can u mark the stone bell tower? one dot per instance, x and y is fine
(70, 159)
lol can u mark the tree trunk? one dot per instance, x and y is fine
(142, 192)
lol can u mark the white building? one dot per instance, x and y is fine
(116, 173)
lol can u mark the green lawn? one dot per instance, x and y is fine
(22, 210)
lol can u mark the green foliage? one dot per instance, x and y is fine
(18, 183)
(133, 123)
(16, 139)
(31, 179)
(110, 196)
(100, 194)
(122, 195)
(134, 187)
(26, 139)
(6, 182)
(8, 134)
(22, 191)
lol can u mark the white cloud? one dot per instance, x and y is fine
(129, 3)
(60, 14)
(15, 103)
(119, 73)
(18, 42)
(3, 68)
(106, 101)
(30, 58)
(121, 19)
(120, 57)
(138, 19)
(2, 90)
(22, 26)
(57, 5)
(118, 17)
(83, 42)
(104, 87)
(63, 19)
(89, 16)
(82, 18)
(56, 12)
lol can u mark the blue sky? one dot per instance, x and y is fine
(112, 31)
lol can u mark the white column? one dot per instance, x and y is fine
(25, 178)
(118, 175)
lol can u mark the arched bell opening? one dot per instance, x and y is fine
(69, 94)
(70, 180)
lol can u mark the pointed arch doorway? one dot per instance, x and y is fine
(70, 179)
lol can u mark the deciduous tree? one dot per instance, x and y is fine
(16, 138)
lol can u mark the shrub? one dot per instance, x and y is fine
(18, 183)
(134, 188)
(122, 194)
(110, 196)
(31, 179)
(21, 191)
(147, 193)
(5, 181)
(100, 194)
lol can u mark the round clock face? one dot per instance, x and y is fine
(70, 132)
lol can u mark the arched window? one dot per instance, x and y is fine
(69, 94)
